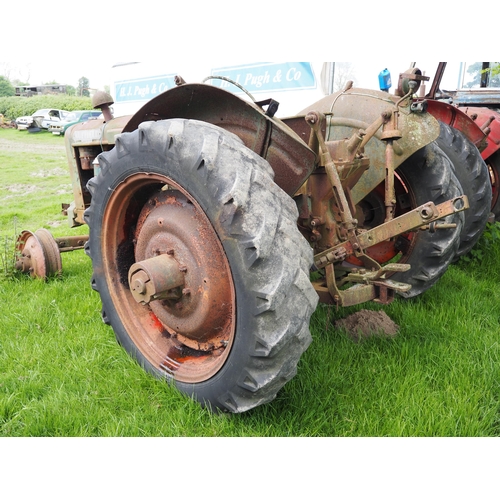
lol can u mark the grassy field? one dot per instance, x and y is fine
(63, 374)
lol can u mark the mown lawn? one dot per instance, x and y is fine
(63, 374)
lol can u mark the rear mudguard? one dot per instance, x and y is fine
(481, 125)
(458, 119)
(483, 116)
(350, 110)
(289, 156)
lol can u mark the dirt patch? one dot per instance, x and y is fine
(23, 189)
(364, 324)
(54, 172)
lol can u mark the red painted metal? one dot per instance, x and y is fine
(456, 118)
(483, 116)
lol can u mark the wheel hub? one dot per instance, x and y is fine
(158, 278)
(180, 271)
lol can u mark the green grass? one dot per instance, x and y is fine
(63, 374)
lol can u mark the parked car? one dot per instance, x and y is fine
(71, 118)
(42, 118)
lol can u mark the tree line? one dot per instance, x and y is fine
(8, 87)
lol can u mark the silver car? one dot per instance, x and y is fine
(42, 118)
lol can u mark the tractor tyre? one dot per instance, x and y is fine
(474, 177)
(493, 163)
(427, 176)
(202, 272)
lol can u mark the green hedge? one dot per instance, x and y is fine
(12, 107)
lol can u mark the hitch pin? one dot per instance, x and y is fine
(434, 226)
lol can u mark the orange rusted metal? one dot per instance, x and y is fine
(38, 254)
(353, 109)
(156, 278)
(166, 247)
(289, 156)
(420, 216)
(70, 243)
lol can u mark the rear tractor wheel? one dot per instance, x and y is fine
(202, 272)
(426, 176)
(474, 177)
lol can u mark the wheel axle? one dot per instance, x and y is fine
(157, 278)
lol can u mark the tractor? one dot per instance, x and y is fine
(476, 113)
(215, 227)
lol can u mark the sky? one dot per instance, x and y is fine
(65, 41)
(102, 76)
(100, 72)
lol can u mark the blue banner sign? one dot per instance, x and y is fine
(265, 77)
(143, 89)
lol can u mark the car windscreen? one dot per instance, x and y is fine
(72, 117)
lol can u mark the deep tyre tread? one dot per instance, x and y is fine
(473, 175)
(493, 163)
(428, 173)
(256, 223)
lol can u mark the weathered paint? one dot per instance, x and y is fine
(353, 109)
(458, 119)
(289, 156)
(483, 116)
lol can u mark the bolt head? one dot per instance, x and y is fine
(139, 286)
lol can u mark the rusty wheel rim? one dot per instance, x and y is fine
(186, 331)
(38, 254)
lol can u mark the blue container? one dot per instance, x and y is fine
(384, 80)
